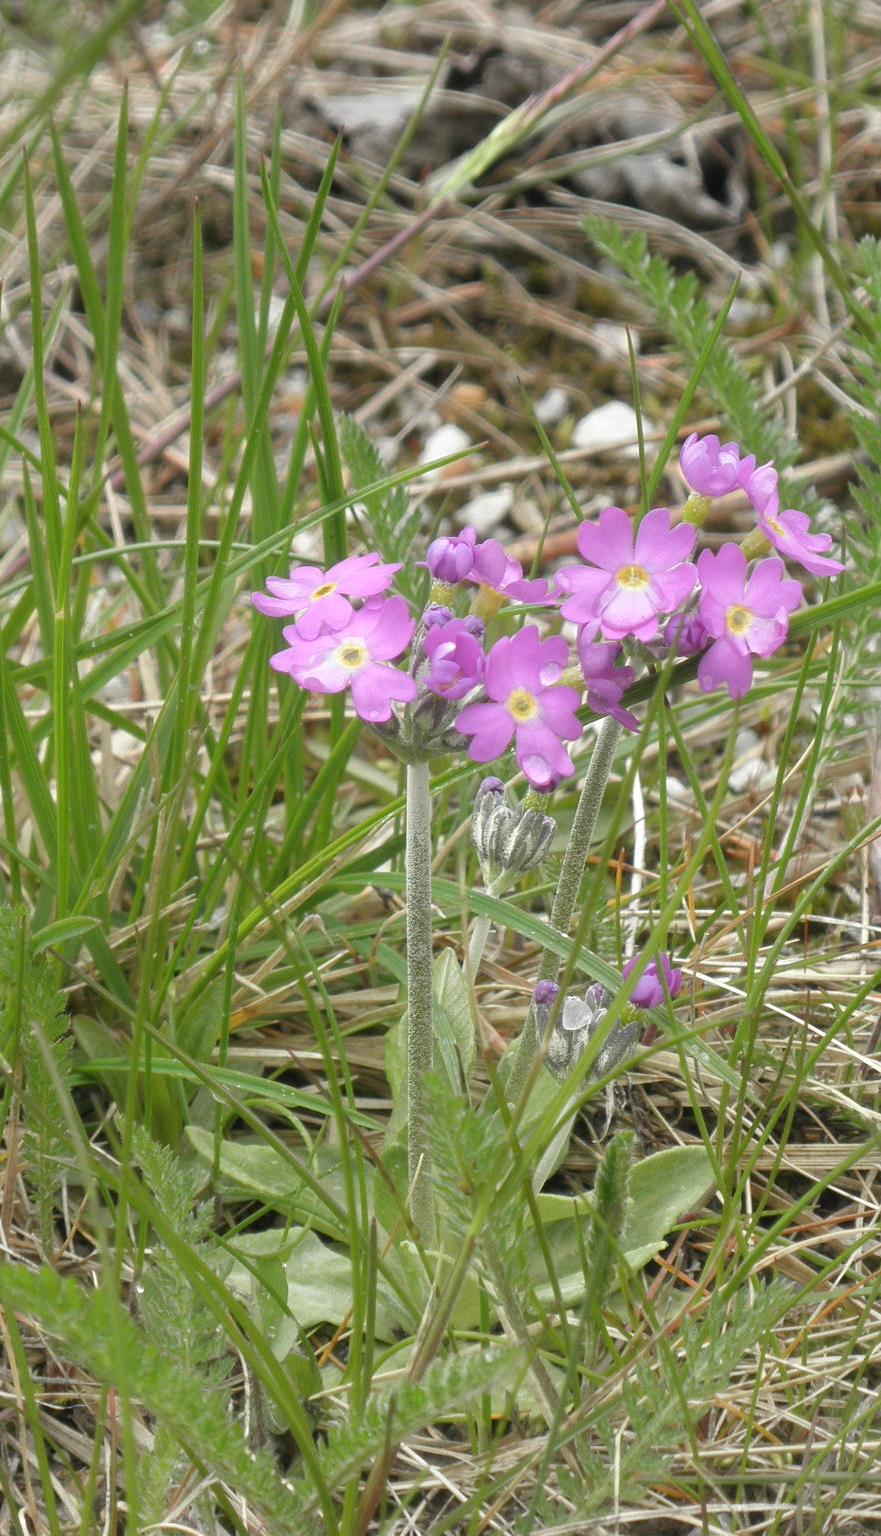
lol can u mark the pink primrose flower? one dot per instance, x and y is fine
(355, 657)
(495, 569)
(711, 468)
(523, 704)
(320, 599)
(745, 615)
(649, 990)
(790, 533)
(633, 581)
(451, 559)
(605, 682)
(455, 657)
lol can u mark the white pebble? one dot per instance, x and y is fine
(552, 407)
(443, 441)
(613, 425)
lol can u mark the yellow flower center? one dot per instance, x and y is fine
(633, 576)
(773, 523)
(323, 591)
(738, 620)
(352, 655)
(522, 705)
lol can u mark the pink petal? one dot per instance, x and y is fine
(557, 708)
(766, 591)
(492, 728)
(670, 588)
(331, 612)
(303, 580)
(541, 755)
(276, 607)
(723, 666)
(585, 587)
(385, 626)
(658, 546)
(373, 689)
(627, 611)
(608, 544)
(723, 573)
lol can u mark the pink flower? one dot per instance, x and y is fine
(501, 573)
(711, 468)
(790, 532)
(321, 599)
(451, 559)
(605, 682)
(760, 484)
(520, 670)
(746, 616)
(649, 990)
(455, 659)
(354, 657)
(633, 581)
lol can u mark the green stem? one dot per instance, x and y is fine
(568, 886)
(480, 929)
(420, 1024)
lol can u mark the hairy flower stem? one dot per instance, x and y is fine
(420, 1024)
(481, 927)
(568, 886)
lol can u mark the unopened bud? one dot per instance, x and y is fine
(508, 841)
(577, 1022)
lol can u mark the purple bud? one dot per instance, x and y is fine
(474, 626)
(436, 614)
(490, 786)
(545, 994)
(686, 634)
(710, 467)
(451, 559)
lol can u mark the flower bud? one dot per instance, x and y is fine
(450, 559)
(711, 468)
(508, 841)
(577, 1022)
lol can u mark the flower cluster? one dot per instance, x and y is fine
(638, 586)
(743, 610)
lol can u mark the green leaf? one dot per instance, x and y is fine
(454, 1025)
(251, 1169)
(663, 1188)
(317, 1284)
(58, 933)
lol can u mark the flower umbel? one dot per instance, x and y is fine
(320, 599)
(745, 615)
(525, 707)
(633, 580)
(355, 657)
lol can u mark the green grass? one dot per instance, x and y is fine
(217, 1311)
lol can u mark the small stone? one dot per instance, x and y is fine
(441, 442)
(613, 425)
(552, 406)
(611, 338)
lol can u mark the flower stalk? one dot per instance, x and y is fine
(420, 1021)
(568, 886)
